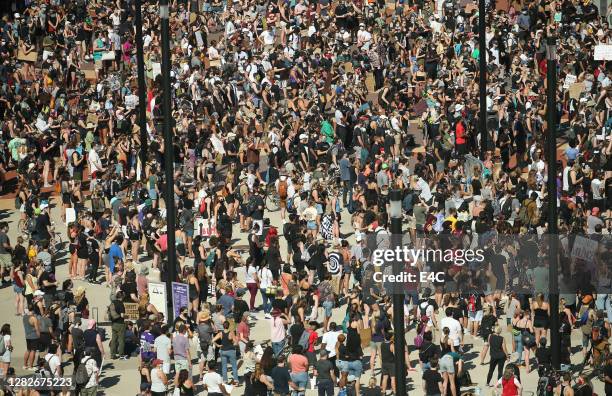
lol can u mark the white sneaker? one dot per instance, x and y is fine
(268, 316)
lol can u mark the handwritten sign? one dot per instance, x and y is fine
(575, 90)
(584, 249)
(131, 101)
(569, 80)
(603, 52)
(131, 311)
(157, 297)
(180, 297)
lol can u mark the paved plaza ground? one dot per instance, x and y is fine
(122, 378)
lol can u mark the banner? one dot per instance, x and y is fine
(603, 52)
(180, 297)
(157, 297)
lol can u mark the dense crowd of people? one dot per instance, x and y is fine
(293, 123)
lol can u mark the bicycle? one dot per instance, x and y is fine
(25, 227)
(271, 200)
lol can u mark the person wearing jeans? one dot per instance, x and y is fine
(278, 333)
(324, 372)
(299, 369)
(226, 340)
(265, 280)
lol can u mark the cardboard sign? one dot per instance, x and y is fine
(584, 249)
(348, 67)
(29, 57)
(603, 52)
(370, 82)
(575, 90)
(214, 63)
(89, 70)
(131, 311)
(93, 118)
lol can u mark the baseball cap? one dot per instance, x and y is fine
(595, 211)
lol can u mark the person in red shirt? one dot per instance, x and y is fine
(509, 383)
(243, 332)
(460, 137)
(312, 340)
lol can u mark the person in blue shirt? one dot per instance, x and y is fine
(115, 253)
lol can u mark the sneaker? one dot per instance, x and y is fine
(124, 357)
(268, 316)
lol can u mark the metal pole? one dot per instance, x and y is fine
(142, 95)
(482, 82)
(168, 153)
(551, 141)
(398, 300)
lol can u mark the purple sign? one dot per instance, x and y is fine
(180, 297)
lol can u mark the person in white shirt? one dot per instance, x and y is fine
(93, 372)
(55, 364)
(213, 382)
(330, 339)
(454, 327)
(95, 166)
(163, 347)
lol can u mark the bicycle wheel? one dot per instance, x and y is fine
(272, 203)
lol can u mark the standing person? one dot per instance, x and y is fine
(243, 332)
(93, 373)
(180, 347)
(5, 251)
(117, 313)
(183, 383)
(278, 331)
(18, 279)
(509, 383)
(5, 359)
(32, 335)
(324, 373)
(163, 348)
(266, 280)
(227, 351)
(159, 381)
(299, 369)
(282, 378)
(213, 382)
(432, 380)
(498, 352)
(93, 342)
(251, 281)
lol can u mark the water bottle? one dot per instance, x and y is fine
(477, 391)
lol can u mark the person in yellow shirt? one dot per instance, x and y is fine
(452, 217)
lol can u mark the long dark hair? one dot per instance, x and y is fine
(183, 376)
(6, 329)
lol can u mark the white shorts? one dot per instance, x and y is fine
(475, 316)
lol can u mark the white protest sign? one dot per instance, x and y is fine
(157, 297)
(156, 69)
(603, 52)
(131, 101)
(584, 249)
(569, 80)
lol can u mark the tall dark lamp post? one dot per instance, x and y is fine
(551, 142)
(142, 98)
(164, 13)
(482, 81)
(395, 214)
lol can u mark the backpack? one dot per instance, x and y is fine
(305, 256)
(204, 335)
(202, 207)
(599, 331)
(304, 340)
(524, 212)
(2, 345)
(422, 320)
(111, 312)
(282, 189)
(211, 259)
(47, 368)
(81, 377)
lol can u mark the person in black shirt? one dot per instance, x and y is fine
(432, 380)
(428, 350)
(256, 207)
(240, 306)
(281, 377)
(94, 256)
(117, 313)
(42, 227)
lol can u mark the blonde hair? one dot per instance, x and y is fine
(497, 329)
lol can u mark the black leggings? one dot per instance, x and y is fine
(500, 368)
